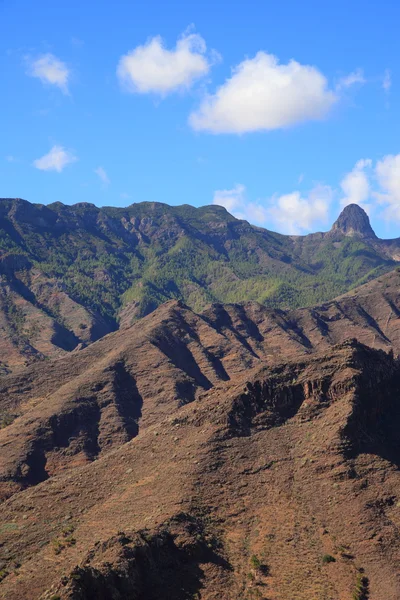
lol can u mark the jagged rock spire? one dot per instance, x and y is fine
(354, 221)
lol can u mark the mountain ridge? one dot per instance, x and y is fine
(245, 451)
(71, 274)
(352, 216)
(193, 354)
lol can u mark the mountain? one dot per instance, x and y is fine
(110, 382)
(242, 452)
(71, 274)
(354, 221)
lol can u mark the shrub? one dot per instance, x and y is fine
(70, 540)
(328, 558)
(3, 574)
(258, 566)
(66, 531)
(58, 546)
(361, 589)
(6, 419)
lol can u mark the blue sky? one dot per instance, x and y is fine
(281, 111)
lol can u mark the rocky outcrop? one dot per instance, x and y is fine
(354, 221)
(170, 562)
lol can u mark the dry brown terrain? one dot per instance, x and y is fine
(38, 319)
(236, 454)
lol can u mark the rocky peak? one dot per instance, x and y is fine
(354, 221)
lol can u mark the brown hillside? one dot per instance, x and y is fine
(299, 464)
(65, 412)
(240, 453)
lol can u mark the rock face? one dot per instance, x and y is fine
(239, 453)
(354, 221)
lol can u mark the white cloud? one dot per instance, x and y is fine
(263, 95)
(55, 160)
(356, 185)
(10, 158)
(375, 186)
(125, 196)
(290, 213)
(351, 79)
(388, 175)
(152, 68)
(387, 81)
(101, 173)
(233, 200)
(294, 214)
(77, 42)
(50, 70)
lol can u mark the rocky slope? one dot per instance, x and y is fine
(67, 412)
(244, 452)
(70, 274)
(281, 484)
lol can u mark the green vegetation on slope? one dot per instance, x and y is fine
(149, 253)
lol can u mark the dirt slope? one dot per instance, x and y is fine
(243, 493)
(66, 412)
(240, 453)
